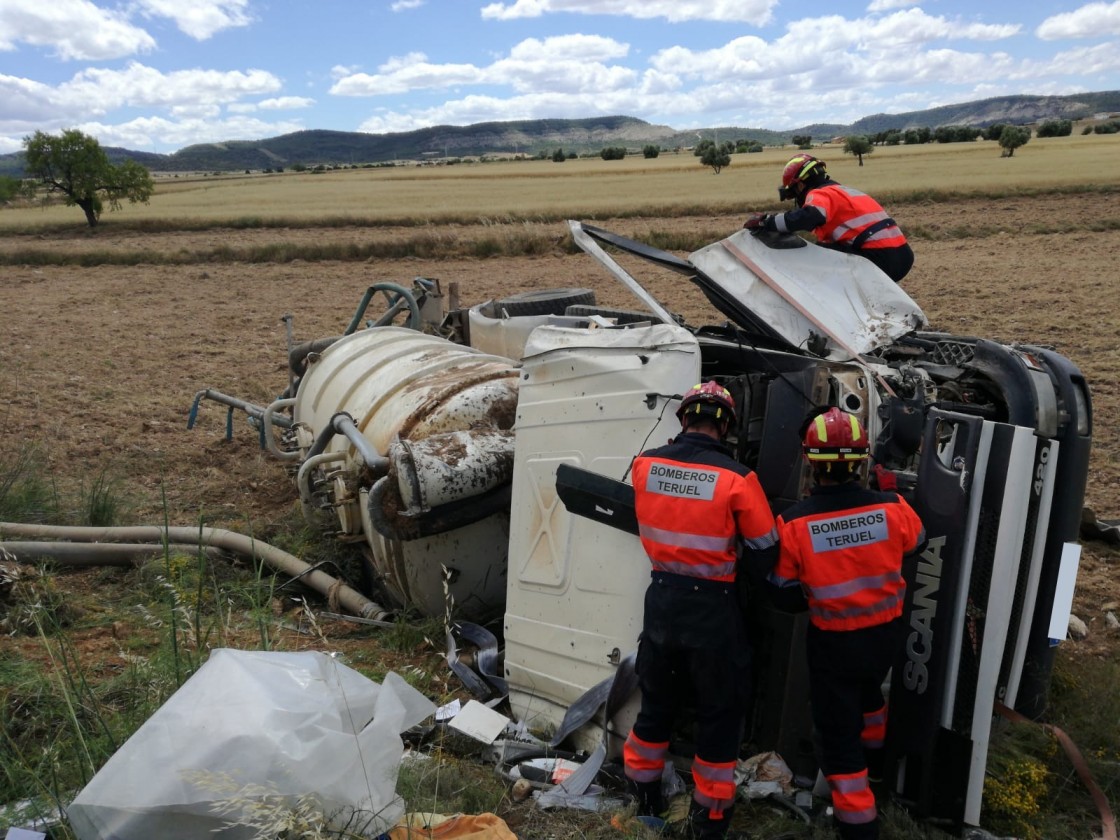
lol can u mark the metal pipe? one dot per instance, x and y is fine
(330, 587)
(287, 321)
(403, 295)
(233, 402)
(268, 420)
(342, 423)
(303, 480)
(374, 460)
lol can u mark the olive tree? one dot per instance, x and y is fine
(75, 165)
(1012, 137)
(858, 145)
(713, 155)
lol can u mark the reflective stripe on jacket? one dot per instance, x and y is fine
(844, 547)
(692, 501)
(848, 213)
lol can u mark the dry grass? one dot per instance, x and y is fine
(533, 190)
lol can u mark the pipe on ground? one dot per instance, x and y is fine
(96, 554)
(278, 560)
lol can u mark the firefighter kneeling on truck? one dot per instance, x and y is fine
(840, 556)
(695, 505)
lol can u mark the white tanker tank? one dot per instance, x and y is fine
(424, 476)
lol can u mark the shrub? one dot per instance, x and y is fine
(650, 151)
(1055, 128)
(9, 187)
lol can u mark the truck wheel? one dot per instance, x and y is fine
(544, 302)
(621, 316)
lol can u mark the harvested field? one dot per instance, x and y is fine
(101, 364)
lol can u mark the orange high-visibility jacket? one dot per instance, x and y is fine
(848, 213)
(844, 546)
(693, 500)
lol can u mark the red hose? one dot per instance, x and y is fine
(1108, 821)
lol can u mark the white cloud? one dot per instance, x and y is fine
(285, 103)
(73, 29)
(834, 49)
(1094, 20)
(405, 5)
(94, 93)
(98, 90)
(341, 71)
(1084, 61)
(276, 103)
(561, 64)
(569, 48)
(152, 131)
(200, 19)
(827, 69)
(26, 102)
(472, 109)
(757, 12)
(401, 76)
(887, 5)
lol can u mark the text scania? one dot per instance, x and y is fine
(919, 644)
(676, 481)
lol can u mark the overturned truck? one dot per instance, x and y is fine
(437, 448)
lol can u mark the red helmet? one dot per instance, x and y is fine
(708, 399)
(835, 435)
(801, 168)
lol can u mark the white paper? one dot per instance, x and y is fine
(480, 722)
(448, 710)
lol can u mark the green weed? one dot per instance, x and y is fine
(26, 494)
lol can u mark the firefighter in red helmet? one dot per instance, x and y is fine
(840, 217)
(696, 507)
(840, 556)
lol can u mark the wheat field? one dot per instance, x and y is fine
(673, 183)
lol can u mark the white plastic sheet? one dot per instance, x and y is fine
(255, 725)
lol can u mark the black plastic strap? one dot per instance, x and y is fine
(870, 231)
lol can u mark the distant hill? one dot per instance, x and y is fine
(531, 137)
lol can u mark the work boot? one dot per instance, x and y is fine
(701, 826)
(863, 831)
(648, 796)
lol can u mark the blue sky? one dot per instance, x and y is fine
(158, 75)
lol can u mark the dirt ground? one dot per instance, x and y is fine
(100, 365)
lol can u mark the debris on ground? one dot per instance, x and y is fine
(252, 736)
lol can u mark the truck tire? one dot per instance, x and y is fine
(544, 302)
(621, 316)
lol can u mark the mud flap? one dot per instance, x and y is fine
(597, 497)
